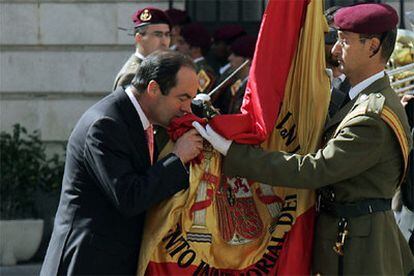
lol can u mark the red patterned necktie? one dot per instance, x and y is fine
(149, 132)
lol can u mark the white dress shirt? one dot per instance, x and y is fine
(364, 84)
(142, 116)
(139, 55)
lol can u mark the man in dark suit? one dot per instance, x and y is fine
(109, 181)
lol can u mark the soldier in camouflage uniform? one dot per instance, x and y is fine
(152, 32)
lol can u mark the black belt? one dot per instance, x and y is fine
(356, 209)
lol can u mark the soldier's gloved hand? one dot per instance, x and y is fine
(218, 142)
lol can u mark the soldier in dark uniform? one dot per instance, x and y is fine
(195, 41)
(362, 162)
(178, 19)
(218, 58)
(220, 51)
(339, 83)
(152, 32)
(242, 50)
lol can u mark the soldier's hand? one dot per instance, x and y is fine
(188, 146)
(406, 98)
(218, 142)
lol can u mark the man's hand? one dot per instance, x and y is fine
(406, 98)
(188, 146)
(216, 140)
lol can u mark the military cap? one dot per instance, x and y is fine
(244, 46)
(150, 15)
(331, 36)
(196, 35)
(369, 18)
(178, 17)
(228, 33)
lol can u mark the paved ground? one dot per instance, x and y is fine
(20, 270)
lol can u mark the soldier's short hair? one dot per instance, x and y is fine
(161, 66)
(140, 30)
(387, 40)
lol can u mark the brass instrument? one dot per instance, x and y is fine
(401, 65)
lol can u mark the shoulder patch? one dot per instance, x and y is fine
(203, 80)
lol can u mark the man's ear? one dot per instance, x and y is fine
(374, 45)
(153, 88)
(138, 38)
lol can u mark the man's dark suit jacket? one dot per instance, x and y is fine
(107, 187)
(339, 97)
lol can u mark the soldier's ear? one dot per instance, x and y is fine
(138, 38)
(375, 43)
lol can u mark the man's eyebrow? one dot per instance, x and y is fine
(184, 95)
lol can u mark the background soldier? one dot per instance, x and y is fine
(178, 19)
(223, 37)
(339, 83)
(363, 160)
(242, 49)
(195, 41)
(152, 32)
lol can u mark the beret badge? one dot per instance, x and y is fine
(145, 16)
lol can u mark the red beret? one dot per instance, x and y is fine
(244, 46)
(178, 17)
(150, 15)
(196, 35)
(368, 18)
(228, 33)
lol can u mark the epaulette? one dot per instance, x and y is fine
(368, 104)
(375, 104)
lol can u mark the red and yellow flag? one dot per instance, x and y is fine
(237, 226)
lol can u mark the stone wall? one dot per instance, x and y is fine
(58, 57)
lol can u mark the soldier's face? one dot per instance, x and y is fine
(182, 46)
(155, 37)
(331, 60)
(352, 54)
(178, 101)
(235, 60)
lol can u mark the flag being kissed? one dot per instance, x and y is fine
(237, 226)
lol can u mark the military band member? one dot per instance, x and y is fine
(242, 50)
(362, 162)
(151, 32)
(195, 41)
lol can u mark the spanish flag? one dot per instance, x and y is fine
(234, 225)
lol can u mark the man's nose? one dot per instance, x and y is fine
(165, 41)
(186, 107)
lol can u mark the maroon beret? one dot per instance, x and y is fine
(196, 35)
(228, 33)
(178, 17)
(367, 18)
(244, 46)
(150, 15)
